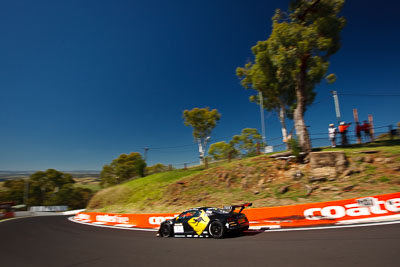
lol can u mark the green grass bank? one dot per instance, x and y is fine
(373, 169)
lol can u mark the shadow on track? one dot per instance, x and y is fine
(245, 233)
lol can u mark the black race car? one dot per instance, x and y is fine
(206, 222)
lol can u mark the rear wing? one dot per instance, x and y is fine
(241, 206)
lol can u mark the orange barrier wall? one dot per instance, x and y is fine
(322, 213)
(127, 220)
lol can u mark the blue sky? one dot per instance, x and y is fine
(84, 81)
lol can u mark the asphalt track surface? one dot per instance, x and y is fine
(56, 241)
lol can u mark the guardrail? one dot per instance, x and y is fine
(355, 210)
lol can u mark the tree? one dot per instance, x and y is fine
(14, 191)
(278, 94)
(123, 168)
(203, 121)
(300, 46)
(107, 176)
(246, 142)
(47, 188)
(221, 150)
(44, 185)
(73, 197)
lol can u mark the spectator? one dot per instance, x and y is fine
(332, 134)
(359, 129)
(367, 130)
(343, 132)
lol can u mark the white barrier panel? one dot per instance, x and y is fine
(48, 208)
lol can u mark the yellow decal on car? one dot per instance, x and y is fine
(199, 223)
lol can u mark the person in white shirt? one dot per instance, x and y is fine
(332, 134)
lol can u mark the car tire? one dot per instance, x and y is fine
(166, 230)
(216, 229)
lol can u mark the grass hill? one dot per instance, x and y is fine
(373, 169)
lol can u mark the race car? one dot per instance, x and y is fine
(206, 222)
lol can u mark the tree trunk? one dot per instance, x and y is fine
(301, 129)
(201, 151)
(202, 148)
(282, 117)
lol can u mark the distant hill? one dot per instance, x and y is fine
(4, 175)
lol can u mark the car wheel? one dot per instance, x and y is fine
(216, 229)
(165, 230)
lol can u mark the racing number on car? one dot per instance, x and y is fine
(199, 224)
(178, 228)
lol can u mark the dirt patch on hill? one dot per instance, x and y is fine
(273, 182)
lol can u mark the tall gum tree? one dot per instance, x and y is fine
(203, 121)
(278, 94)
(300, 46)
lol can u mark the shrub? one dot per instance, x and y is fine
(294, 147)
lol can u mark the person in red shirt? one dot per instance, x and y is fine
(367, 130)
(343, 132)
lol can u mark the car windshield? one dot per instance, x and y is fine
(189, 214)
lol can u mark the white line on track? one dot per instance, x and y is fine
(7, 219)
(111, 226)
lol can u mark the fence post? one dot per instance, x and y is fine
(170, 167)
(185, 166)
(229, 156)
(206, 163)
(258, 148)
(371, 126)
(355, 114)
